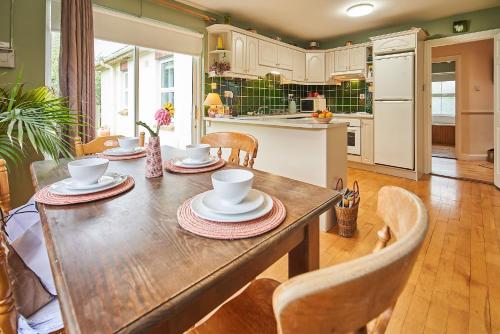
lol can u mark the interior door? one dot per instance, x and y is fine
(496, 116)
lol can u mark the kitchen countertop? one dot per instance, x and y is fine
(279, 120)
(354, 115)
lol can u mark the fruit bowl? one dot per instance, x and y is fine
(324, 120)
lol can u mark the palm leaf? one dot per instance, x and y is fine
(35, 116)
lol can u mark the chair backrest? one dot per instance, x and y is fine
(100, 144)
(8, 312)
(237, 142)
(359, 294)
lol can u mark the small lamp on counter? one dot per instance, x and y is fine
(213, 101)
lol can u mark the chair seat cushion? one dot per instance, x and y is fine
(249, 312)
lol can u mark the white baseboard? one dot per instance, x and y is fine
(462, 156)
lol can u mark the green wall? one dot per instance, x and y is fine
(479, 20)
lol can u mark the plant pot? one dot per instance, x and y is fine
(154, 166)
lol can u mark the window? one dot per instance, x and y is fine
(167, 80)
(443, 98)
(124, 93)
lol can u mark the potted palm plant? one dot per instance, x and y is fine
(33, 117)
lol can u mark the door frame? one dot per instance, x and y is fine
(458, 100)
(428, 45)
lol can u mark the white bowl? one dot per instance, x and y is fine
(232, 185)
(128, 143)
(198, 152)
(87, 171)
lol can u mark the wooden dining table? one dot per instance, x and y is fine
(124, 265)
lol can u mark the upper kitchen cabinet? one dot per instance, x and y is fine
(252, 55)
(341, 59)
(274, 55)
(285, 58)
(329, 64)
(239, 50)
(357, 58)
(350, 59)
(397, 42)
(268, 53)
(315, 67)
(299, 66)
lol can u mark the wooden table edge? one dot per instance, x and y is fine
(69, 317)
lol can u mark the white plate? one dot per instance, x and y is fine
(253, 200)
(118, 151)
(102, 182)
(60, 188)
(203, 212)
(180, 163)
(189, 161)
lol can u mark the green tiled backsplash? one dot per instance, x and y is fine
(249, 95)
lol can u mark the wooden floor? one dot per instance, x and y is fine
(443, 151)
(480, 170)
(455, 284)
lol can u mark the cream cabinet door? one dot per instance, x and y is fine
(268, 54)
(367, 141)
(285, 58)
(357, 58)
(330, 64)
(299, 66)
(238, 57)
(315, 67)
(252, 55)
(341, 60)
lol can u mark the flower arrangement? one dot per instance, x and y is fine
(219, 67)
(163, 116)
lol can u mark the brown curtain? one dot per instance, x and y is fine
(76, 64)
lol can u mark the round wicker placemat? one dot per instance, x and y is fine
(122, 157)
(217, 230)
(44, 195)
(171, 167)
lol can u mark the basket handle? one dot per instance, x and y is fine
(355, 187)
(341, 184)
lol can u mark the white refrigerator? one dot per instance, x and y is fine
(393, 110)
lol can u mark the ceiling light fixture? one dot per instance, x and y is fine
(361, 9)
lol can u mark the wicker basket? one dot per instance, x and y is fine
(347, 218)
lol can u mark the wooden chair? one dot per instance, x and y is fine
(8, 312)
(100, 144)
(355, 296)
(237, 142)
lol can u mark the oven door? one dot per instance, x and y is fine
(353, 140)
(307, 105)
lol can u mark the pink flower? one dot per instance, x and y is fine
(163, 117)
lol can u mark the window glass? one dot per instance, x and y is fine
(443, 98)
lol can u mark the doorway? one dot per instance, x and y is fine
(462, 110)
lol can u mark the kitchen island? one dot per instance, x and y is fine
(298, 148)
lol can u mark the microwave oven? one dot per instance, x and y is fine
(312, 104)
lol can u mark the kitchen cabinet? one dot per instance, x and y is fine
(367, 141)
(315, 67)
(285, 58)
(268, 54)
(238, 63)
(252, 55)
(341, 60)
(299, 66)
(274, 55)
(330, 64)
(391, 44)
(357, 58)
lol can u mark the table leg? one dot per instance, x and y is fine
(305, 256)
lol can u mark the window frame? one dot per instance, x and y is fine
(166, 60)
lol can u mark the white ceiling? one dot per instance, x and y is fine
(320, 19)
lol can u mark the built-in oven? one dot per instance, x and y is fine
(353, 134)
